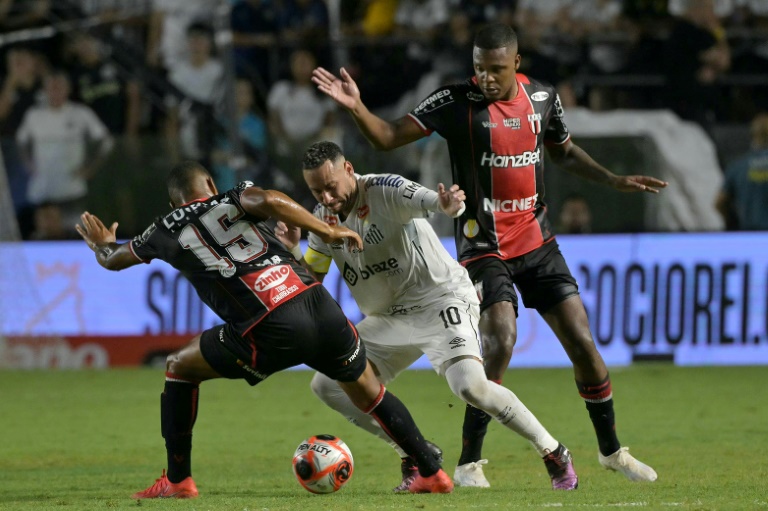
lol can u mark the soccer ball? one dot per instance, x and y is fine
(322, 464)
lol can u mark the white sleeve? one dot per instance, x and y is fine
(401, 198)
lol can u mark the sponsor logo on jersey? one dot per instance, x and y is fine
(354, 354)
(140, 240)
(402, 310)
(501, 161)
(363, 212)
(512, 122)
(558, 106)
(349, 274)
(534, 120)
(410, 190)
(331, 220)
(471, 229)
(374, 236)
(272, 278)
(338, 245)
(510, 206)
(488, 124)
(540, 96)
(254, 372)
(386, 180)
(474, 96)
(435, 101)
(390, 268)
(457, 342)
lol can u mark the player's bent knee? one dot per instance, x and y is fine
(467, 381)
(324, 388)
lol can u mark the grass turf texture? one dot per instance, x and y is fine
(86, 440)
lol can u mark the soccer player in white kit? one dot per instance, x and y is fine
(415, 296)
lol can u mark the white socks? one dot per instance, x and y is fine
(331, 394)
(468, 381)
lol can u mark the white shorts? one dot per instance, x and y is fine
(442, 333)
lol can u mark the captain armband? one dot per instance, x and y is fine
(320, 263)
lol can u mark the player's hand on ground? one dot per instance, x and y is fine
(94, 232)
(338, 234)
(639, 184)
(343, 91)
(288, 235)
(451, 199)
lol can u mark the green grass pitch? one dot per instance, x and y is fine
(86, 440)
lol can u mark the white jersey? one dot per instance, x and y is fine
(403, 266)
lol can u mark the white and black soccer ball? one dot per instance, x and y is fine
(323, 464)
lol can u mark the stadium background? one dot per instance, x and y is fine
(132, 63)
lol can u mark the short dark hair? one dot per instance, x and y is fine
(200, 28)
(495, 35)
(182, 177)
(320, 152)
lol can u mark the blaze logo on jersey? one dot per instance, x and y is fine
(501, 161)
(390, 266)
(534, 120)
(331, 220)
(510, 206)
(349, 274)
(363, 212)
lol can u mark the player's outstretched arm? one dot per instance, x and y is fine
(383, 135)
(110, 254)
(277, 205)
(576, 161)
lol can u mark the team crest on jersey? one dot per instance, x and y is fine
(374, 236)
(534, 120)
(363, 212)
(471, 228)
(474, 96)
(540, 96)
(512, 122)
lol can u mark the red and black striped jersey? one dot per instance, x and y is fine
(232, 259)
(496, 151)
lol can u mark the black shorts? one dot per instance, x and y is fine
(541, 276)
(309, 329)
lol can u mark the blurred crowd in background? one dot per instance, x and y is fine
(98, 98)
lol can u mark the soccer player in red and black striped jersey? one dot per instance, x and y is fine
(276, 314)
(497, 125)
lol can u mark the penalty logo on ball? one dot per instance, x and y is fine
(323, 464)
